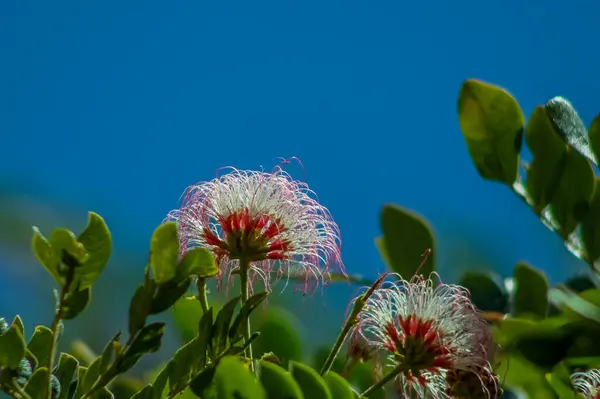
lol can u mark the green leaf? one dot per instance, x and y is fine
(147, 340)
(407, 237)
(221, 326)
(339, 387)
(197, 262)
(65, 373)
(320, 357)
(91, 375)
(187, 361)
(186, 315)
(37, 386)
(486, 292)
(146, 393)
(569, 126)
(576, 304)
(12, 348)
(205, 329)
(278, 383)
(492, 124)
(139, 307)
(202, 384)
(97, 241)
(160, 382)
(45, 254)
(590, 226)
(243, 386)
(17, 322)
(78, 387)
(279, 334)
(309, 381)
(530, 295)
(571, 201)
(67, 248)
(518, 373)
(236, 331)
(75, 303)
(40, 344)
(594, 135)
(362, 377)
(102, 393)
(164, 252)
(559, 380)
(108, 354)
(168, 293)
(549, 156)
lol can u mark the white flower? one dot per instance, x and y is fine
(267, 219)
(434, 331)
(587, 383)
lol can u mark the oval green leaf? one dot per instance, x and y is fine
(570, 126)
(37, 386)
(407, 238)
(549, 155)
(486, 292)
(590, 226)
(233, 380)
(492, 124)
(570, 203)
(40, 344)
(530, 295)
(197, 262)
(277, 382)
(65, 373)
(12, 348)
(339, 387)
(75, 302)
(97, 241)
(164, 252)
(279, 334)
(65, 245)
(45, 254)
(594, 135)
(309, 381)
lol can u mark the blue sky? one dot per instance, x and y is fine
(117, 106)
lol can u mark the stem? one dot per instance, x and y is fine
(358, 306)
(244, 268)
(350, 322)
(54, 328)
(397, 370)
(15, 391)
(201, 284)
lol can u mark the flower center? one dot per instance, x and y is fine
(254, 237)
(417, 345)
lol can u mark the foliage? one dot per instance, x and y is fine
(543, 333)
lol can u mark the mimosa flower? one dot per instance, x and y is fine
(587, 384)
(431, 330)
(267, 219)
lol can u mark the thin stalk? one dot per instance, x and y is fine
(357, 307)
(350, 322)
(244, 268)
(397, 370)
(54, 328)
(201, 284)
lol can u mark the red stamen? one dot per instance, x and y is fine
(276, 255)
(210, 237)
